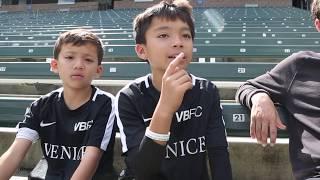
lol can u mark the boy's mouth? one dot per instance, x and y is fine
(77, 76)
(174, 56)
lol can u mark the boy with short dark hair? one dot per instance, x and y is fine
(74, 123)
(170, 120)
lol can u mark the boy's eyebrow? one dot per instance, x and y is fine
(167, 27)
(162, 28)
(75, 52)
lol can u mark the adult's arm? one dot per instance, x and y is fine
(259, 95)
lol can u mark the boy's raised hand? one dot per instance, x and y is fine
(175, 82)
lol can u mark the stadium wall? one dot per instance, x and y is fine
(50, 7)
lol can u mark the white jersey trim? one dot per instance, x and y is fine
(195, 78)
(109, 126)
(27, 133)
(123, 137)
(120, 126)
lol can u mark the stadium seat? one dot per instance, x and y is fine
(12, 110)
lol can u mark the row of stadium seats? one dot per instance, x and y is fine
(34, 78)
(226, 28)
(236, 117)
(199, 51)
(243, 27)
(197, 41)
(219, 71)
(129, 35)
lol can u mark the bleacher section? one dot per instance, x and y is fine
(220, 32)
(212, 3)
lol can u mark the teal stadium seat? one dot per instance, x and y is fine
(12, 110)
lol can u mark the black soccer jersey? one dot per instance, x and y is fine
(65, 133)
(196, 126)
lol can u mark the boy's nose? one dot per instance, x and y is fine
(79, 64)
(178, 42)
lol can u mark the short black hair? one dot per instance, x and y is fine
(170, 10)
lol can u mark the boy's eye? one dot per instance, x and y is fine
(187, 36)
(68, 57)
(89, 60)
(163, 36)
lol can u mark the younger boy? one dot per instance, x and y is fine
(169, 119)
(74, 123)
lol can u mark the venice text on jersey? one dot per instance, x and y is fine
(64, 152)
(186, 147)
(189, 114)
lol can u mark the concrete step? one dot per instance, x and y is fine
(19, 178)
(21, 174)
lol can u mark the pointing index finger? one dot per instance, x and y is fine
(179, 60)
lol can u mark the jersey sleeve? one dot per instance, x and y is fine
(130, 123)
(101, 130)
(152, 154)
(29, 127)
(217, 146)
(216, 133)
(219, 161)
(275, 83)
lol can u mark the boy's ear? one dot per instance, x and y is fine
(99, 71)
(317, 24)
(54, 66)
(141, 51)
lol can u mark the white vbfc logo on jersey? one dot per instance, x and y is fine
(83, 126)
(189, 114)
